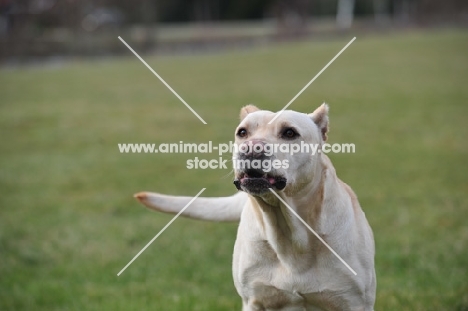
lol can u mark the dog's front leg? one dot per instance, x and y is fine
(288, 237)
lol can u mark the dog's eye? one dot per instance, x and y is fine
(242, 132)
(289, 133)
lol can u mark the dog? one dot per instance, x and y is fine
(278, 263)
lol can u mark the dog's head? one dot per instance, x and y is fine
(280, 155)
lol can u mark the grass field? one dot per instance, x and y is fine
(68, 222)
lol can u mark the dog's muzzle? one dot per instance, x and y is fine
(256, 180)
(248, 181)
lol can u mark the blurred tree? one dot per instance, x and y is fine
(381, 11)
(148, 12)
(291, 16)
(345, 13)
(402, 10)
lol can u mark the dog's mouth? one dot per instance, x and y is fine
(258, 182)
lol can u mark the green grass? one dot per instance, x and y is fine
(68, 222)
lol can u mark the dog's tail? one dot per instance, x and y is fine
(212, 209)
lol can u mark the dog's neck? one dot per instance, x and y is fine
(285, 233)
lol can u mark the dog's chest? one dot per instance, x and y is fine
(267, 284)
(289, 294)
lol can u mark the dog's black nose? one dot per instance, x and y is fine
(252, 149)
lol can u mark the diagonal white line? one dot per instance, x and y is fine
(313, 79)
(162, 230)
(315, 233)
(162, 80)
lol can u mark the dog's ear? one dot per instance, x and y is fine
(246, 110)
(320, 117)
